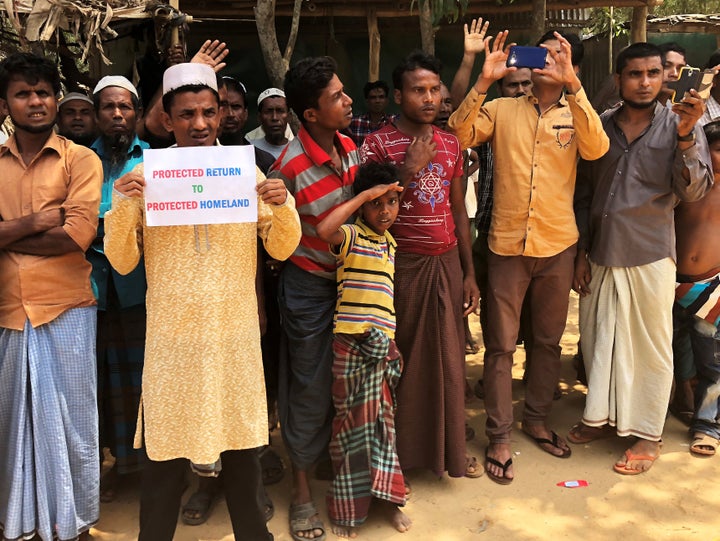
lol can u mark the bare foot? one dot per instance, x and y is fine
(344, 531)
(400, 521)
(501, 454)
(582, 433)
(639, 458)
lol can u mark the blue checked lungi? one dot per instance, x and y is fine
(49, 455)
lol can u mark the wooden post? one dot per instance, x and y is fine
(374, 52)
(638, 26)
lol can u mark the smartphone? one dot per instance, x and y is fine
(526, 57)
(692, 78)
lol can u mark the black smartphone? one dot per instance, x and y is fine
(526, 57)
(689, 79)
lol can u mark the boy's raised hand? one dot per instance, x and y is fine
(475, 37)
(381, 189)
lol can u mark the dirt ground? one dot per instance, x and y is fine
(678, 499)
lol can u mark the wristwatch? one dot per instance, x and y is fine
(689, 138)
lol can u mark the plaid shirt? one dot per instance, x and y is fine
(712, 112)
(485, 188)
(361, 126)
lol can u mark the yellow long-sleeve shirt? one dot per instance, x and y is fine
(535, 161)
(203, 383)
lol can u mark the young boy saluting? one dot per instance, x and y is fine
(367, 363)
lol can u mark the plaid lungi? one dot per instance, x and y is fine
(120, 356)
(49, 465)
(362, 447)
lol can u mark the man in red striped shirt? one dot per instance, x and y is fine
(318, 168)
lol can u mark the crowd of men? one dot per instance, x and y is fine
(184, 346)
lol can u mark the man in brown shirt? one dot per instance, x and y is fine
(49, 198)
(625, 267)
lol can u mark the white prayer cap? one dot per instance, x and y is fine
(188, 73)
(72, 96)
(270, 93)
(115, 80)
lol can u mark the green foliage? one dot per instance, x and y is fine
(443, 9)
(601, 21)
(680, 7)
(600, 16)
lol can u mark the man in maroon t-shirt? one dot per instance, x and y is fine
(433, 237)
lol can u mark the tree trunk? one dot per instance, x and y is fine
(537, 22)
(374, 39)
(265, 22)
(427, 32)
(293, 34)
(638, 26)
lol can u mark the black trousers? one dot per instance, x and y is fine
(163, 484)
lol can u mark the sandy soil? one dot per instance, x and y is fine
(677, 500)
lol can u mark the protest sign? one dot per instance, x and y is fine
(200, 185)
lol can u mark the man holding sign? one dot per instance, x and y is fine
(203, 394)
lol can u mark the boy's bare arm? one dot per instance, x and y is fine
(28, 227)
(328, 229)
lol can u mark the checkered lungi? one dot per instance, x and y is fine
(362, 447)
(49, 457)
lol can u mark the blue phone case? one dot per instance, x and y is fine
(526, 57)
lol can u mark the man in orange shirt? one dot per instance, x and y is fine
(49, 200)
(536, 140)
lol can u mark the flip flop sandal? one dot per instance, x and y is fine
(704, 444)
(300, 521)
(501, 480)
(472, 468)
(624, 470)
(554, 442)
(273, 469)
(200, 504)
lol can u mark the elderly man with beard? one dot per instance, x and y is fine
(121, 298)
(273, 116)
(76, 119)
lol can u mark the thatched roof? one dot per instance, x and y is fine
(691, 22)
(88, 20)
(384, 8)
